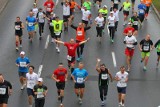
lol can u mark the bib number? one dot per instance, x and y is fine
(146, 48)
(79, 33)
(57, 33)
(2, 91)
(22, 64)
(69, 57)
(30, 24)
(17, 27)
(135, 23)
(80, 80)
(104, 76)
(40, 95)
(141, 11)
(48, 9)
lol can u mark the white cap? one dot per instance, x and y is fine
(129, 23)
(40, 79)
(22, 53)
(111, 12)
(105, 6)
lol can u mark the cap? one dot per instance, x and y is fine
(105, 6)
(129, 23)
(40, 79)
(112, 12)
(34, 4)
(22, 53)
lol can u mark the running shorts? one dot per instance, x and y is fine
(22, 74)
(135, 27)
(121, 90)
(158, 53)
(31, 29)
(76, 86)
(73, 59)
(125, 13)
(129, 52)
(65, 18)
(60, 85)
(4, 101)
(30, 92)
(133, 1)
(85, 22)
(144, 54)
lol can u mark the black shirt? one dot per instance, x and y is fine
(146, 45)
(18, 28)
(39, 89)
(4, 92)
(103, 78)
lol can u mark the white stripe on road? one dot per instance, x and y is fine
(108, 29)
(47, 42)
(57, 2)
(40, 70)
(114, 59)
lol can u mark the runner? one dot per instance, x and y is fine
(133, 4)
(86, 15)
(35, 11)
(18, 32)
(104, 12)
(40, 92)
(126, 7)
(22, 63)
(31, 22)
(129, 28)
(157, 46)
(99, 21)
(103, 80)
(41, 21)
(5, 91)
(73, 6)
(145, 46)
(49, 6)
(135, 22)
(66, 13)
(98, 2)
(122, 79)
(116, 14)
(114, 4)
(80, 75)
(60, 76)
(57, 28)
(87, 4)
(130, 41)
(32, 79)
(111, 26)
(141, 11)
(80, 36)
(148, 4)
(71, 47)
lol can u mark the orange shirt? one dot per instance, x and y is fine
(147, 2)
(80, 34)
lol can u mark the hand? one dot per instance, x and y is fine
(88, 39)
(74, 81)
(66, 79)
(141, 49)
(10, 92)
(98, 60)
(44, 93)
(57, 80)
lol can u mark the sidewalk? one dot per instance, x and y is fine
(156, 11)
(3, 4)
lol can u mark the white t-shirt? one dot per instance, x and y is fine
(122, 77)
(111, 20)
(129, 40)
(99, 21)
(35, 11)
(66, 10)
(116, 14)
(41, 17)
(31, 80)
(85, 14)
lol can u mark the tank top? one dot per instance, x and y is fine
(18, 27)
(103, 78)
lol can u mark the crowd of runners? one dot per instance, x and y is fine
(107, 18)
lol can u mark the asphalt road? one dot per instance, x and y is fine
(143, 87)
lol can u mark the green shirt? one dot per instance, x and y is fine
(104, 12)
(57, 25)
(87, 5)
(126, 6)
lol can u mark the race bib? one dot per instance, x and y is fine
(104, 76)
(17, 27)
(2, 91)
(135, 23)
(141, 11)
(116, 1)
(40, 95)
(79, 33)
(80, 80)
(57, 33)
(146, 48)
(69, 57)
(30, 24)
(22, 64)
(48, 9)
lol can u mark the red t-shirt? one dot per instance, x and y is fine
(49, 5)
(71, 48)
(60, 74)
(127, 29)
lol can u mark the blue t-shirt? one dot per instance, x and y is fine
(31, 21)
(141, 8)
(22, 62)
(80, 75)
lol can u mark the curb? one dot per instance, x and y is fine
(156, 11)
(4, 5)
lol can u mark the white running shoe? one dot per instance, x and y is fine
(103, 103)
(120, 104)
(20, 46)
(80, 101)
(58, 50)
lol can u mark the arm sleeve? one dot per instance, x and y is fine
(74, 27)
(87, 28)
(9, 85)
(157, 43)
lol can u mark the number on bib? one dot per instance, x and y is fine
(80, 80)
(2, 91)
(40, 95)
(69, 57)
(104, 76)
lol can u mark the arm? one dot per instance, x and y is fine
(84, 41)
(73, 78)
(97, 65)
(74, 27)
(87, 28)
(54, 78)
(10, 88)
(61, 42)
(156, 43)
(140, 47)
(86, 78)
(22, 25)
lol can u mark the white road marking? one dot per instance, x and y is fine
(57, 2)
(40, 70)
(108, 29)
(114, 59)
(47, 42)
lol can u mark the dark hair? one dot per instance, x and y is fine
(31, 67)
(60, 63)
(103, 65)
(1, 74)
(18, 17)
(122, 67)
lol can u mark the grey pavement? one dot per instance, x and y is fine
(143, 87)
